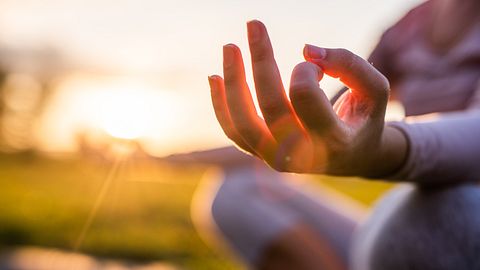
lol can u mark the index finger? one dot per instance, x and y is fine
(353, 71)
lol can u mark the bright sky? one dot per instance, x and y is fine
(164, 51)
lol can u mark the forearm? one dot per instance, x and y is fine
(439, 151)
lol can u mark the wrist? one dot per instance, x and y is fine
(392, 153)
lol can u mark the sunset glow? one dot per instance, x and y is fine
(122, 108)
(125, 113)
(137, 75)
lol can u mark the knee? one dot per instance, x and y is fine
(240, 197)
(234, 211)
(430, 229)
(224, 209)
(227, 207)
(247, 219)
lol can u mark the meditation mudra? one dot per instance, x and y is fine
(430, 62)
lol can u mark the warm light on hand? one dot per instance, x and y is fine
(304, 133)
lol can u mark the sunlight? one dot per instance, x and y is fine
(95, 110)
(125, 113)
(103, 107)
(123, 109)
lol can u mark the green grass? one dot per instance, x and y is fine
(145, 214)
(366, 192)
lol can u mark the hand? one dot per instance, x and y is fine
(306, 134)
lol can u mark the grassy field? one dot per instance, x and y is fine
(144, 215)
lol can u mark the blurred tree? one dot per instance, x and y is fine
(27, 81)
(3, 75)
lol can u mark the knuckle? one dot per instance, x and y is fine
(231, 135)
(352, 63)
(243, 128)
(346, 54)
(229, 81)
(384, 87)
(304, 66)
(301, 92)
(230, 78)
(385, 84)
(260, 54)
(349, 59)
(271, 106)
(306, 70)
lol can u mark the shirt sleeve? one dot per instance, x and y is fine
(442, 150)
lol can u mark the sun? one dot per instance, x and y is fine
(101, 108)
(125, 113)
(122, 108)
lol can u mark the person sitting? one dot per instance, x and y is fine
(430, 62)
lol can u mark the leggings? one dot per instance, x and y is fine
(409, 228)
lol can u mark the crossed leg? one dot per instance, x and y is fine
(422, 228)
(276, 224)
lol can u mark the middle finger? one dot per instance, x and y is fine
(273, 101)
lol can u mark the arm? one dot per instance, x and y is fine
(307, 135)
(445, 149)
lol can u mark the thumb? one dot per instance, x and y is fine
(356, 73)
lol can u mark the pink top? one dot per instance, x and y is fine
(447, 148)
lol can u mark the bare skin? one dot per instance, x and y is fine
(305, 134)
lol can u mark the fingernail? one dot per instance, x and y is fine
(314, 52)
(228, 55)
(211, 79)
(254, 29)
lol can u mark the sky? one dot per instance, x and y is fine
(163, 51)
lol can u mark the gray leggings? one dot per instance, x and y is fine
(410, 228)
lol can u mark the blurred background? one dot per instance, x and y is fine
(92, 91)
